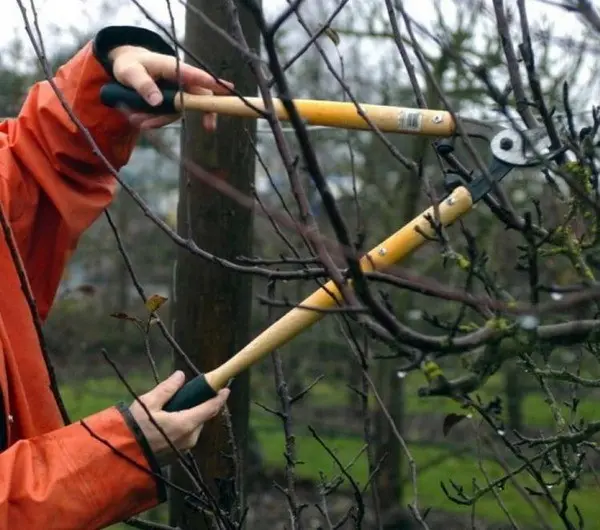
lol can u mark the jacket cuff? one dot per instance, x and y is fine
(109, 38)
(148, 453)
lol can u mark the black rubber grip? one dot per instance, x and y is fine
(115, 95)
(193, 393)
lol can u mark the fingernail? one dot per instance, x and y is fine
(155, 98)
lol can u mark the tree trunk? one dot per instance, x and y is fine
(515, 394)
(212, 303)
(389, 478)
(124, 279)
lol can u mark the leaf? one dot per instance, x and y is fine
(121, 316)
(154, 302)
(125, 316)
(87, 289)
(451, 420)
(333, 35)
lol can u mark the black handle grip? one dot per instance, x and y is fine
(193, 393)
(115, 95)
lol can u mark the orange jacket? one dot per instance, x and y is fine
(52, 187)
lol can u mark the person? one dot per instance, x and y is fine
(95, 472)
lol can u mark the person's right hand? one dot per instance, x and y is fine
(183, 427)
(139, 68)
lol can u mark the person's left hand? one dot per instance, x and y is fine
(139, 68)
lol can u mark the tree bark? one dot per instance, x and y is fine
(515, 394)
(213, 304)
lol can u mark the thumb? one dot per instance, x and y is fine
(207, 410)
(165, 390)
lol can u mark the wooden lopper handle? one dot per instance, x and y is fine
(339, 114)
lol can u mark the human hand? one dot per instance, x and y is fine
(139, 69)
(182, 428)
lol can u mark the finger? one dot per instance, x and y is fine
(209, 119)
(137, 118)
(158, 121)
(135, 75)
(199, 90)
(207, 410)
(196, 77)
(143, 120)
(193, 437)
(168, 68)
(165, 390)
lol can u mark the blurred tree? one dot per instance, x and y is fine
(212, 304)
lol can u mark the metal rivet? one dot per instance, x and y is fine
(382, 251)
(506, 144)
(450, 201)
(10, 418)
(438, 118)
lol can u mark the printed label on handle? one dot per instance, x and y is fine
(410, 121)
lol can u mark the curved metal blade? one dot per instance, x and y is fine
(522, 148)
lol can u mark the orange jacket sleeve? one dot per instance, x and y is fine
(80, 476)
(51, 181)
(52, 187)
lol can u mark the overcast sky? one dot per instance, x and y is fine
(86, 13)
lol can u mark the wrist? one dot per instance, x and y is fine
(153, 459)
(108, 40)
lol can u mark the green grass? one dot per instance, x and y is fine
(462, 470)
(536, 411)
(95, 394)
(98, 393)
